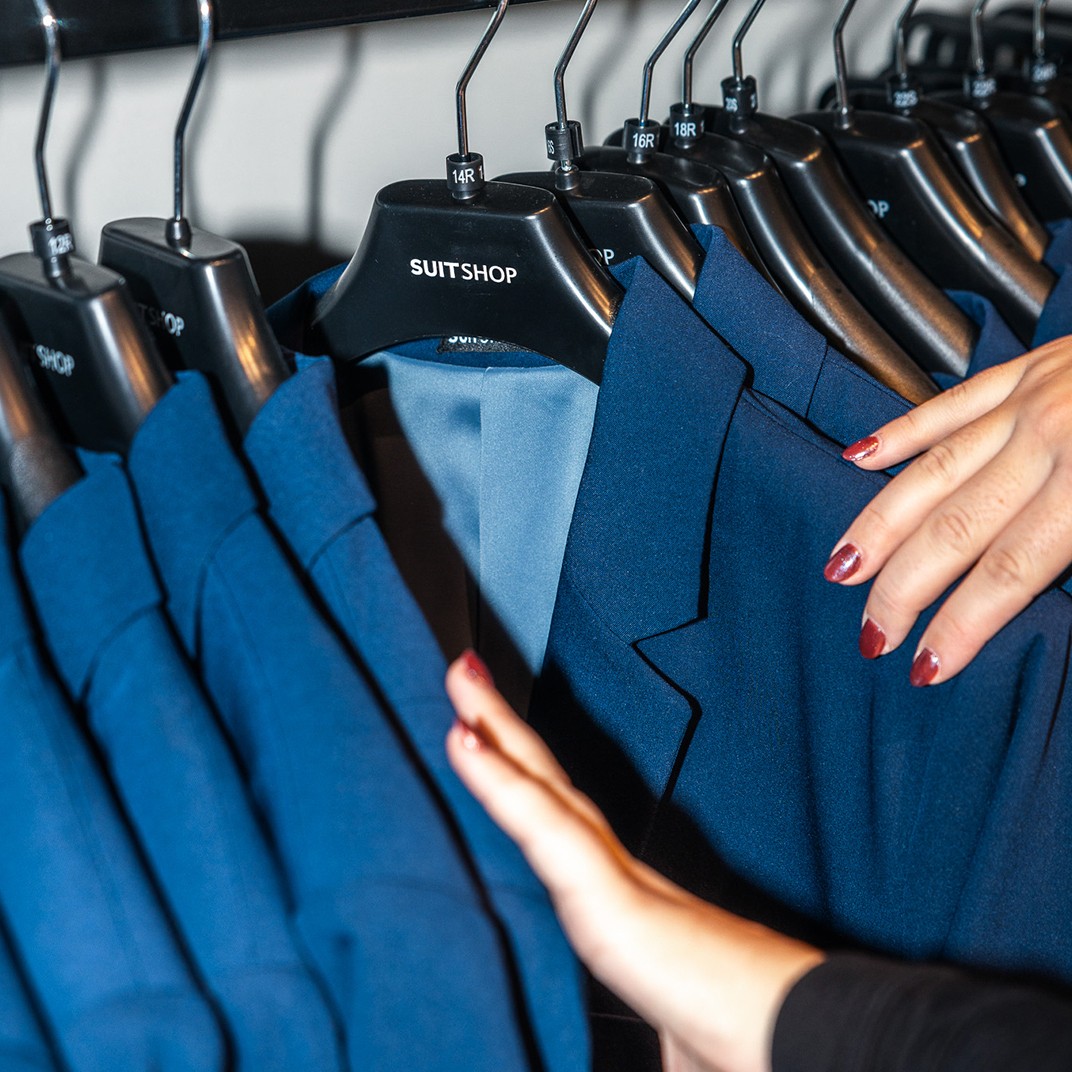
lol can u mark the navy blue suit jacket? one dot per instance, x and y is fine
(702, 680)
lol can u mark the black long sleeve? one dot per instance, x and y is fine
(858, 1013)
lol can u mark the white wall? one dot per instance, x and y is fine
(294, 134)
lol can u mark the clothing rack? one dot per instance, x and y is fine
(90, 28)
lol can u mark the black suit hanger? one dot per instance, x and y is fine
(1042, 72)
(931, 211)
(699, 193)
(915, 312)
(197, 288)
(621, 216)
(35, 467)
(96, 366)
(1034, 132)
(488, 259)
(967, 139)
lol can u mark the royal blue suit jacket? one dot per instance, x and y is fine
(22, 1041)
(324, 510)
(95, 942)
(100, 607)
(387, 908)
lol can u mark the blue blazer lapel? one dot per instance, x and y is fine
(636, 560)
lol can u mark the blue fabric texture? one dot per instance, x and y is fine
(323, 507)
(382, 898)
(702, 680)
(896, 816)
(793, 364)
(102, 618)
(94, 940)
(22, 1042)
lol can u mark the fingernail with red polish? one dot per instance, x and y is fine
(476, 670)
(925, 668)
(844, 562)
(862, 448)
(872, 640)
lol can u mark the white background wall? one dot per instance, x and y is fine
(293, 135)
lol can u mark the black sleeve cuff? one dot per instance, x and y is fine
(857, 1013)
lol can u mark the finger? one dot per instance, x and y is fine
(949, 542)
(1028, 555)
(904, 504)
(479, 704)
(921, 428)
(578, 859)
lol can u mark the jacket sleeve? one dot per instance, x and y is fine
(856, 1013)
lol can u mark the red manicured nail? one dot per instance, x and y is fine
(872, 640)
(862, 448)
(476, 670)
(925, 668)
(844, 562)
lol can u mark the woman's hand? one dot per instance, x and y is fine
(709, 982)
(990, 496)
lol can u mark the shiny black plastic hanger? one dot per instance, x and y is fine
(699, 193)
(967, 139)
(196, 288)
(936, 334)
(899, 164)
(1042, 72)
(1035, 133)
(35, 467)
(467, 256)
(96, 366)
(621, 216)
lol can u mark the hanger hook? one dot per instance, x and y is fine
(179, 228)
(470, 70)
(564, 62)
(690, 56)
(738, 39)
(844, 108)
(660, 48)
(1040, 29)
(900, 40)
(978, 56)
(53, 57)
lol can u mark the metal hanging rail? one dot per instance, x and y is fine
(99, 27)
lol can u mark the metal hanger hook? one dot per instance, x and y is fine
(739, 36)
(53, 57)
(900, 40)
(205, 41)
(1040, 29)
(470, 70)
(978, 56)
(660, 48)
(566, 57)
(690, 56)
(844, 108)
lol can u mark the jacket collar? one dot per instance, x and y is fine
(637, 543)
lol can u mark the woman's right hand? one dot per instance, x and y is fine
(711, 984)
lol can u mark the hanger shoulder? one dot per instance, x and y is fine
(506, 266)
